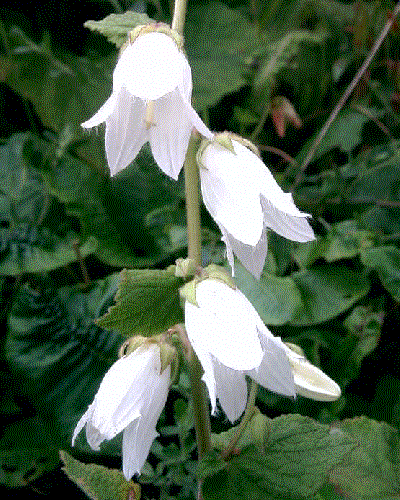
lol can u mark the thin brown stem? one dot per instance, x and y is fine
(346, 95)
(82, 265)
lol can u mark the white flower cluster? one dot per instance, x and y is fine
(150, 101)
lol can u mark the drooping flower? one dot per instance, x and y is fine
(150, 101)
(130, 398)
(245, 200)
(231, 341)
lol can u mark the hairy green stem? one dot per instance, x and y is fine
(201, 410)
(193, 203)
(178, 20)
(199, 394)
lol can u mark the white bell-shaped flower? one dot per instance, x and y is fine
(244, 199)
(130, 398)
(150, 101)
(231, 341)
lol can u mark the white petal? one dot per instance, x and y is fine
(252, 257)
(139, 435)
(185, 86)
(289, 226)
(223, 325)
(82, 422)
(119, 398)
(267, 185)
(125, 131)
(103, 113)
(310, 381)
(135, 448)
(231, 390)
(94, 437)
(230, 195)
(194, 118)
(169, 137)
(275, 371)
(151, 67)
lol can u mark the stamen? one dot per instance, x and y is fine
(149, 115)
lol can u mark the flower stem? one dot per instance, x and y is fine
(199, 394)
(193, 203)
(178, 20)
(201, 410)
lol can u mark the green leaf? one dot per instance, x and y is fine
(371, 471)
(57, 353)
(276, 299)
(98, 482)
(386, 262)
(379, 180)
(35, 233)
(293, 462)
(26, 452)
(112, 210)
(116, 27)
(30, 249)
(147, 303)
(327, 291)
(345, 132)
(279, 53)
(344, 240)
(217, 41)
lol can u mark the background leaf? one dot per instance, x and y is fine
(386, 261)
(327, 290)
(59, 355)
(26, 452)
(276, 299)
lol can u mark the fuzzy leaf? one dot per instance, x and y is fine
(99, 482)
(147, 303)
(372, 469)
(115, 27)
(293, 461)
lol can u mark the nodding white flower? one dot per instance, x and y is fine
(231, 341)
(130, 398)
(244, 199)
(150, 101)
